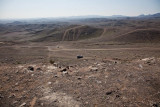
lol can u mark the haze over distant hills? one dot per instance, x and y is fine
(141, 29)
(37, 20)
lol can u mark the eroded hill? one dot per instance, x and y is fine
(140, 36)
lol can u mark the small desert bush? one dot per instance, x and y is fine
(51, 61)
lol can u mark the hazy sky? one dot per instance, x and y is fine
(58, 8)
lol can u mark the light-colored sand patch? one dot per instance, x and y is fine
(63, 100)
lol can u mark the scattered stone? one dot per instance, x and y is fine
(99, 82)
(49, 83)
(8, 79)
(140, 66)
(16, 84)
(31, 68)
(56, 100)
(38, 69)
(20, 66)
(55, 64)
(155, 105)
(117, 96)
(86, 102)
(90, 76)
(15, 102)
(67, 67)
(44, 66)
(79, 78)
(149, 61)
(109, 92)
(106, 76)
(115, 62)
(17, 72)
(124, 98)
(32, 75)
(16, 90)
(42, 104)
(71, 66)
(63, 70)
(23, 104)
(93, 68)
(1, 96)
(98, 64)
(52, 67)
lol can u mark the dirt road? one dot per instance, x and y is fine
(66, 31)
(62, 48)
(104, 31)
(112, 49)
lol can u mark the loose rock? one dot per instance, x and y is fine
(63, 70)
(49, 83)
(23, 104)
(109, 92)
(93, 68)
(140, 66)
(38, 69)
(31, 68)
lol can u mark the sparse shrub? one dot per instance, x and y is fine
(51, 61)
(18, 62)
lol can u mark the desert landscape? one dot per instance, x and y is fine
(88, 62)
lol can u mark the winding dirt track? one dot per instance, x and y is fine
(66, 31)
(112, 49)
(53, 48)
(104, 31)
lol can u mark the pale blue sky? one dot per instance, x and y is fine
(60, 8)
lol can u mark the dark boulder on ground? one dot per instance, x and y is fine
(31, 68)
(39, 69)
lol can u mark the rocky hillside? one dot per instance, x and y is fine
(140, 36)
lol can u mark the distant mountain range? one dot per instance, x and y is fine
(110, 17)
(61, 19)
(95, 16)
(157, 15)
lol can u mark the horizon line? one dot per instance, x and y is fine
(56, 17)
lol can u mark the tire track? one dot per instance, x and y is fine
(74, 32)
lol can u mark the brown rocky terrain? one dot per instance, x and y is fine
(120, 64)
